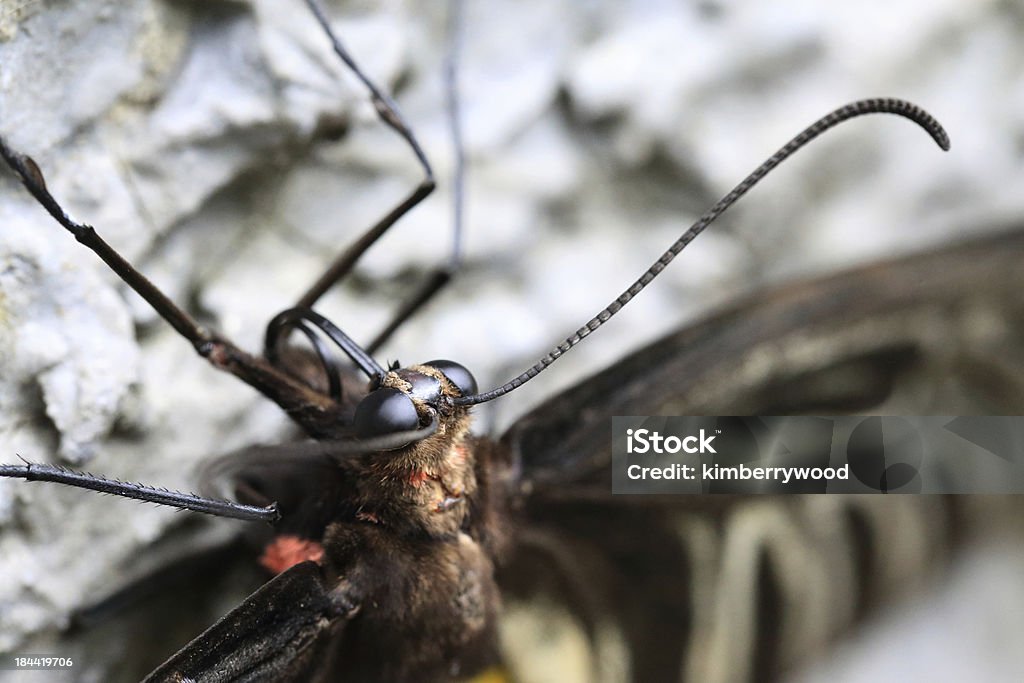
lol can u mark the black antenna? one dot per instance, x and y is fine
(872, 106)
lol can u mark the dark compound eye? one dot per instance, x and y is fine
(385, 411)
(457, 374)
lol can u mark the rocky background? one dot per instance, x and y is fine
(222, 148)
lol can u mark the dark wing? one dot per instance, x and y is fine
(280, 633)
(931, 334)
(717, 588)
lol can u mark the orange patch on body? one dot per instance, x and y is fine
(417, 477)
(284, 552)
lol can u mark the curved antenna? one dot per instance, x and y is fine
(849, 111)
(294, 317)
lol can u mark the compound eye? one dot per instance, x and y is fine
(457, 375)
(385, 411)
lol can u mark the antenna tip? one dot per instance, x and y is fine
(937, 132)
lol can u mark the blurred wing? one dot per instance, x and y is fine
(280, 633)
(931, 334)
(724, 588)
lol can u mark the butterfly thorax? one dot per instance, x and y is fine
(424, 487)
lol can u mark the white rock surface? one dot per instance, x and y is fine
(196, 137)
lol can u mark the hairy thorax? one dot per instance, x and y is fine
(425, 487)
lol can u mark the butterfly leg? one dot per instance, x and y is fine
(304, 404)
(389, 114)
(149, 494)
